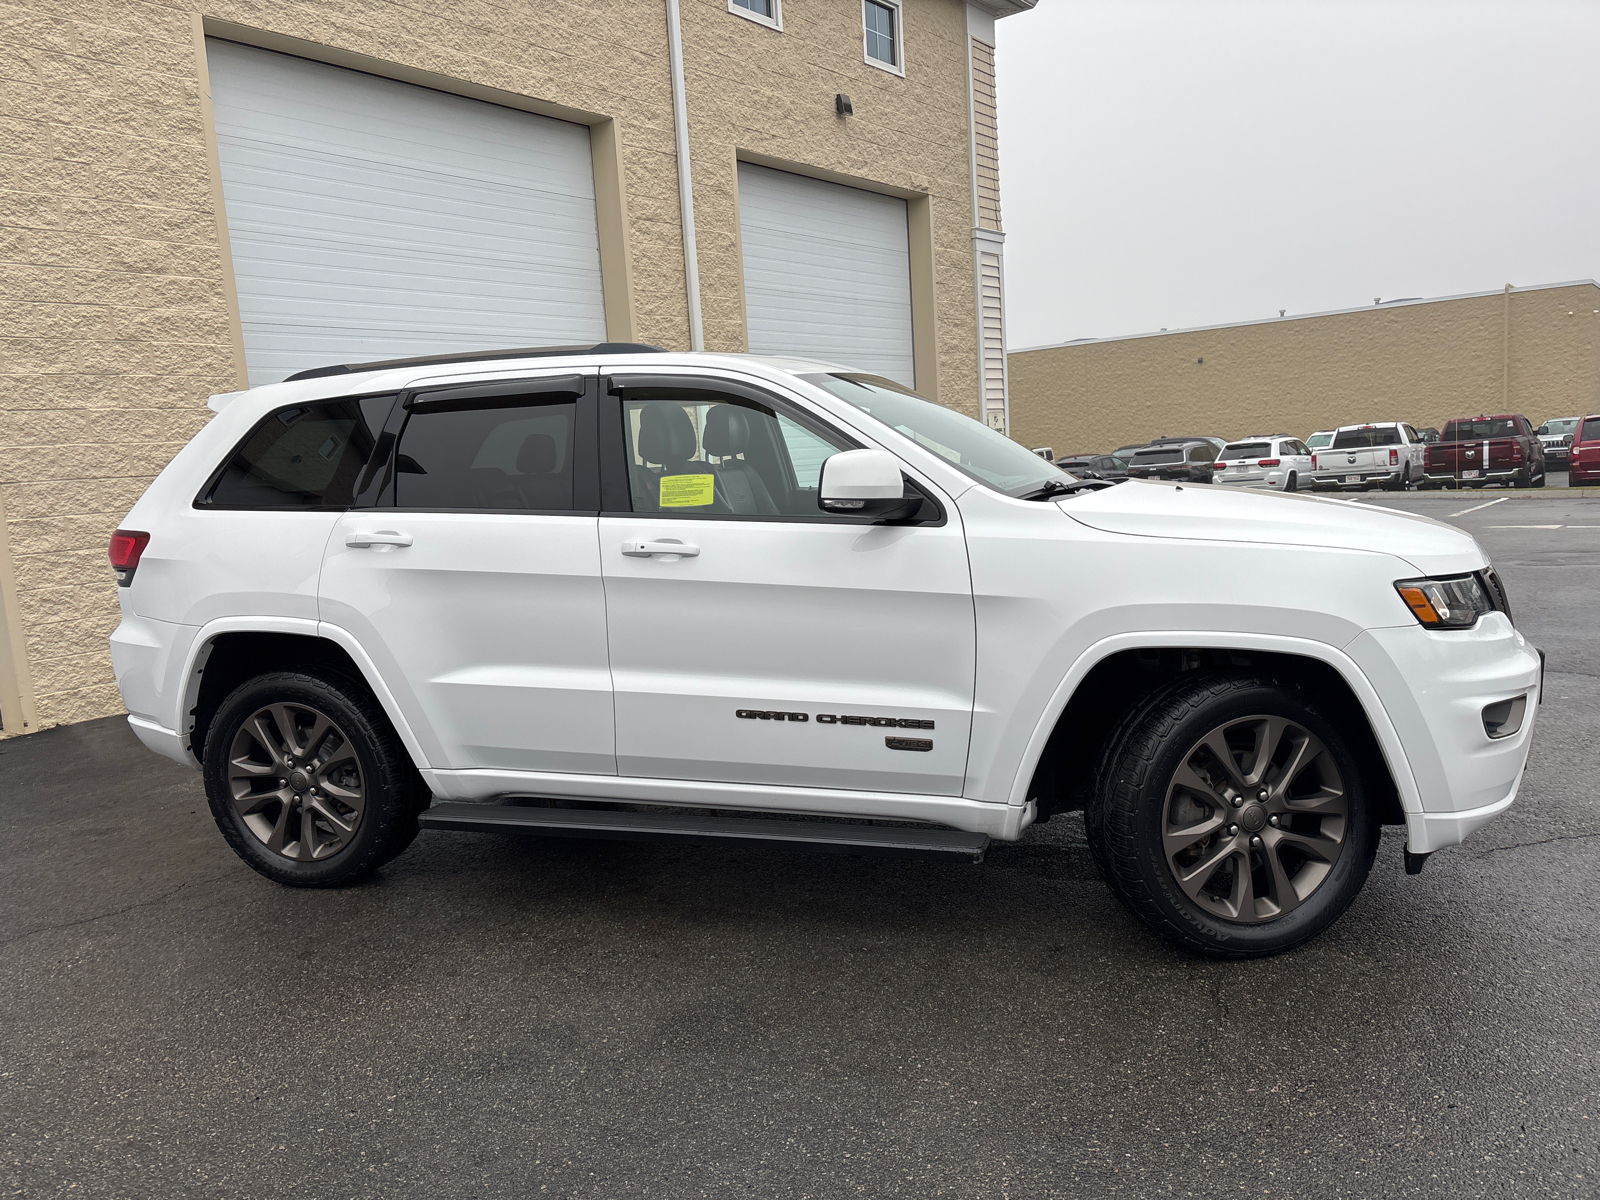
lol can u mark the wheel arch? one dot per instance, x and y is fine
(227, 653)
(1118, 673)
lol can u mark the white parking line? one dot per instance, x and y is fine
(1540, 527)
(1476, 507)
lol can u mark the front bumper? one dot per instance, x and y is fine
(1435, 686)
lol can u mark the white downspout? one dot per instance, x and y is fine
(680, 128)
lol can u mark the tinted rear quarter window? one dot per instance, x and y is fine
(308, 456)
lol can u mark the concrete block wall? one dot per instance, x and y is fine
(1422, 362)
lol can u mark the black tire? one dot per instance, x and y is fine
(1293, 483)
(1128, 812)
(1539, 481)
(1522, 479)
(359, 737)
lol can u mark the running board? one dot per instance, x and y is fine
(827, 837)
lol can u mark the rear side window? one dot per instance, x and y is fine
(309, 456)
(1478, 431)
(1360, 439)
(511, 455)
(1591, 430)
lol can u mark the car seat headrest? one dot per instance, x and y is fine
(666, 434)
(537, 455)
(727, 430)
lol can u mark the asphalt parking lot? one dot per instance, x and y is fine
(504, 1017)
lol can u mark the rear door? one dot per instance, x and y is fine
(475, 586)
(781, 645)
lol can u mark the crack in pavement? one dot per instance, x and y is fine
(1566, 837)
(117, 912)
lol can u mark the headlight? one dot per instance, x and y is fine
(1453, 603)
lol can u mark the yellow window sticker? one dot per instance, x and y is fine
(687, 491)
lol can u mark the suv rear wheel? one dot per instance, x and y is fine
(307, 780)
(1229, 816)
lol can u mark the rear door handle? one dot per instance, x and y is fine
(647, 549)
(383, 537)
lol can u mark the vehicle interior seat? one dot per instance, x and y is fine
(666, 441)
(727, 433)
(543, 486)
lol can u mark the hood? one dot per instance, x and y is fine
(1212, 513)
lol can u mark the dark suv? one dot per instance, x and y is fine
(1182, 462)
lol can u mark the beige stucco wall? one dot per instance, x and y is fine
(117, 316)
(1422, 363)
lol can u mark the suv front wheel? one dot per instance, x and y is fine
(1229, 816)
(307, 780)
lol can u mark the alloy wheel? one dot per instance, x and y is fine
(296, 782)
(1255, 819)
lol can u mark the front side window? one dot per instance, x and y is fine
(308, 456)
(513, 457)
(968, 445)
(697, 452)
(882, 27)
(768, 12)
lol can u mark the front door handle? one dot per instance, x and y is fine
(383, 537)
(647, 549)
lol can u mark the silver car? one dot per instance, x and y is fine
(1272, 461)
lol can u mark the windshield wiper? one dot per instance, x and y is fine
(1060, 487)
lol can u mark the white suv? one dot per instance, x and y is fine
(624, 587)
(1270, 461)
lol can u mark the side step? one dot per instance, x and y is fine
(692, 829)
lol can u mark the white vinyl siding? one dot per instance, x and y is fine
(371, 219)
(827, 272)
(991, 298)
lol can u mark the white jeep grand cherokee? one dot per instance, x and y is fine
(619, 587)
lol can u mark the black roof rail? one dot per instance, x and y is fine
(430, 360)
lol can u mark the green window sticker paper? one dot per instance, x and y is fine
(687, 491)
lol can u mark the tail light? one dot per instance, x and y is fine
(1220, 465)
(1394, 457)
(127, 545)
(1427, 457)
(1269, 462)
(1516, 451)
(1313, 462)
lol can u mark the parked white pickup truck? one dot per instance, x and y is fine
(1387, 455)
(621, 587)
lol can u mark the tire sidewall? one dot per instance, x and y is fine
(1337, 891)
(382, 819)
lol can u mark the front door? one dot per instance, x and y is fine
(781, 645)
(476, 586)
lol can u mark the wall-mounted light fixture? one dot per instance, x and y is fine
(842, 105)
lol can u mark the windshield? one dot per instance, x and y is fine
(969, 446)
(1318, 440)
(1561, 425)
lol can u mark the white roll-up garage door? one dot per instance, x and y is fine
(827, 272)
(371, 219)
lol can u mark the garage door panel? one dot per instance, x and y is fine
(827, 272)
(370, 218)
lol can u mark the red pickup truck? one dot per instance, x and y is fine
(1473, 451)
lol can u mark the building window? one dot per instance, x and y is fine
(880, 21)
(765, 12)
